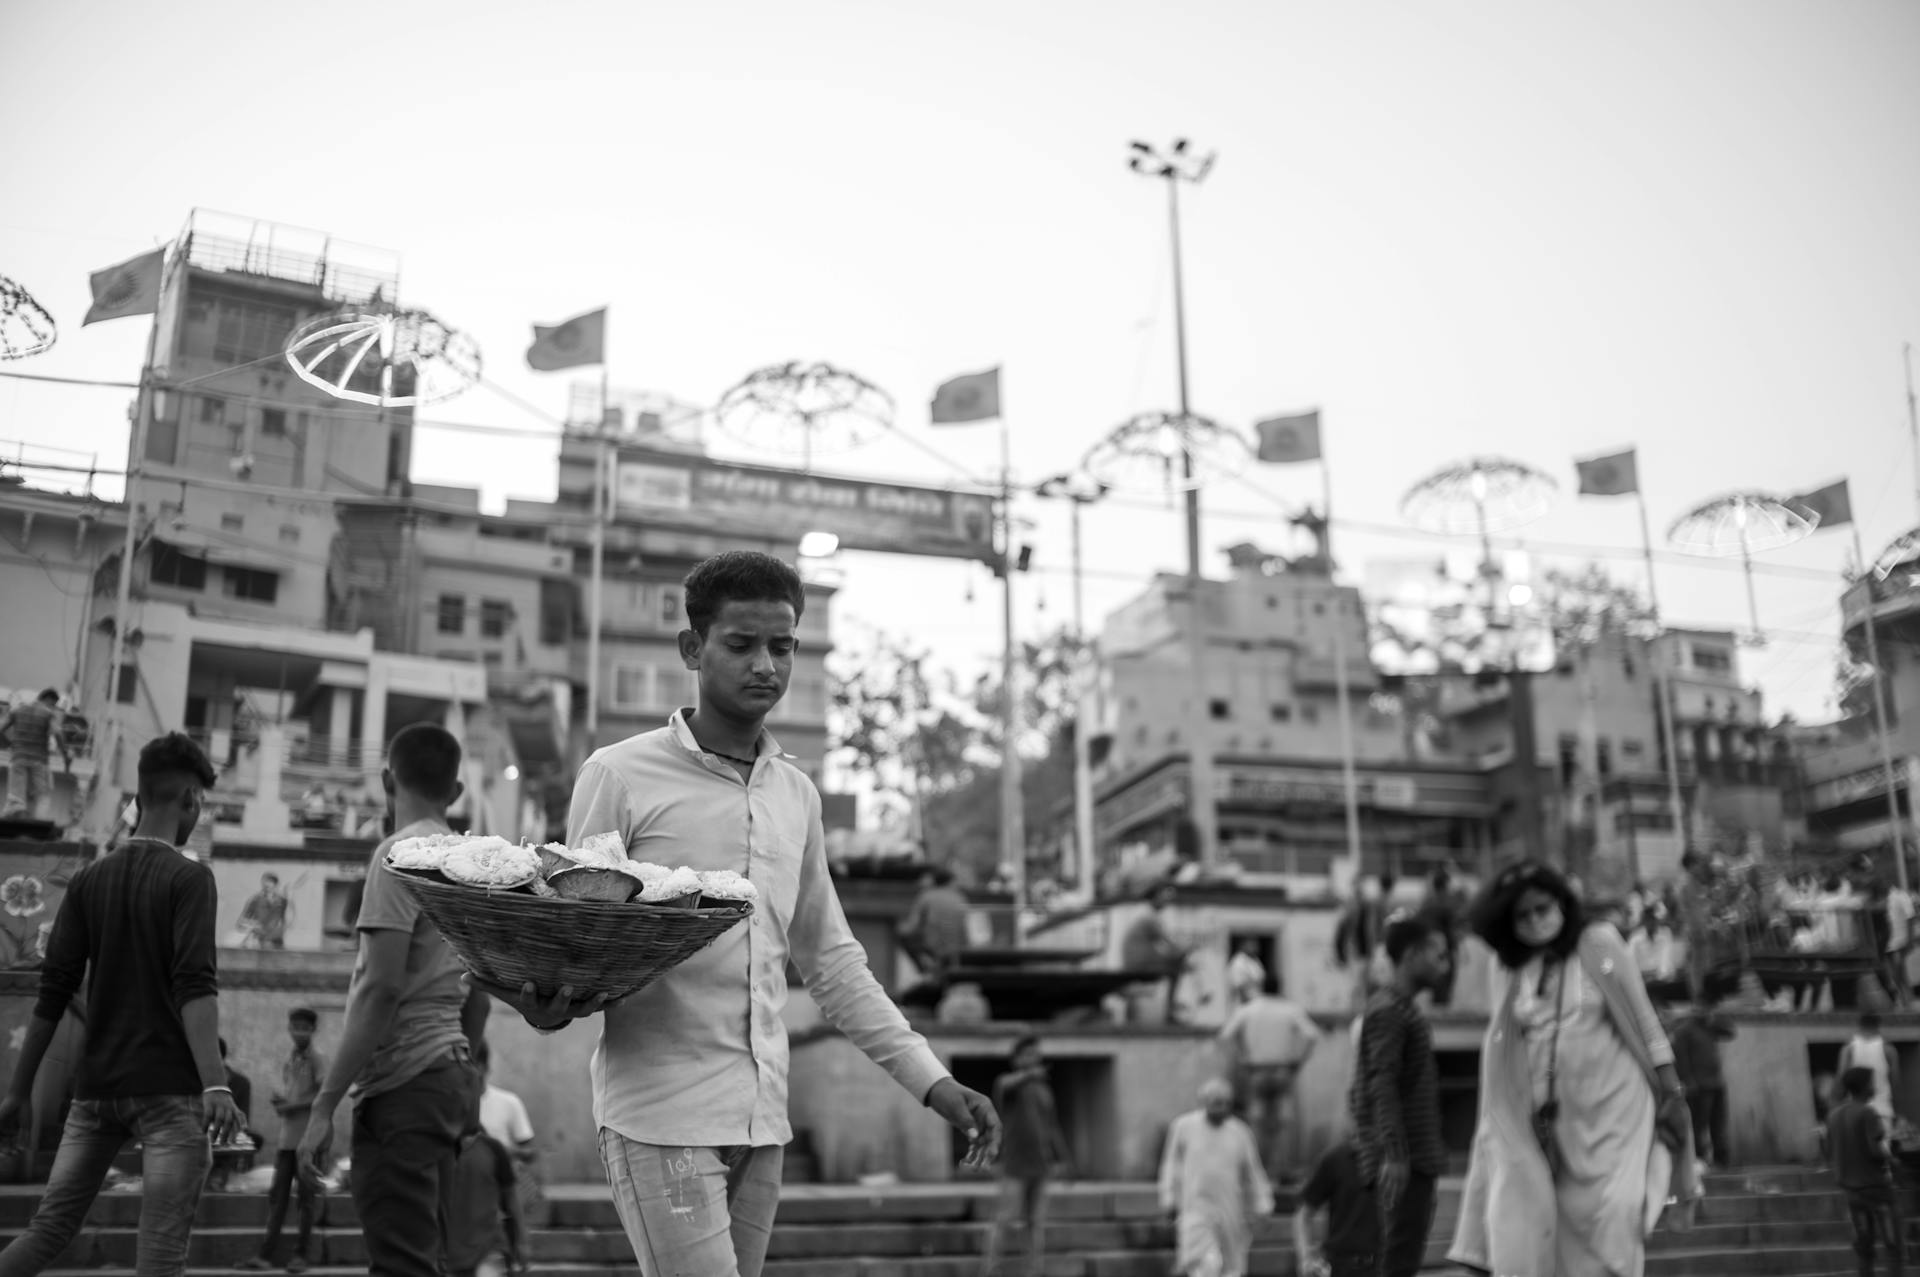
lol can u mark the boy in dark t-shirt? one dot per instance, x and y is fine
(1351, 1245)
(1857, 1145)
(1034, 1152)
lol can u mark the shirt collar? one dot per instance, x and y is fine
(765, 747)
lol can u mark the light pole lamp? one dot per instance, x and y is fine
(1082, 489)
(1178, 164)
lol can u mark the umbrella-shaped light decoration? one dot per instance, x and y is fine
(1901, 552)
(1479, 497)
(1740, 524)
(1148, 453)
(384, 356)
(804, 409)
(25, 326)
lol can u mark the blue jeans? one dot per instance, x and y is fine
(694, 1212)
(173, 1167)
(405, 1144)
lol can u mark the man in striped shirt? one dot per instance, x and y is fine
(1396, 1096)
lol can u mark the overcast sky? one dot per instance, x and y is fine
(1536, 229)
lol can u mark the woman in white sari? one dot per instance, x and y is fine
(1583, 1132)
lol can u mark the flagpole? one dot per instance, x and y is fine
(1913, 417)
(602, 478)
(1880, 715)
(1662, 685)
(1012, 817)
(1349, 782)
(123, 593)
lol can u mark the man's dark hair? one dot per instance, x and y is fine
(1857, 1082)
(941, 875)
(169, 766)
(1491, 916)
(1405, 933)
(425, 759)
(739, 576)
(1021, 1043)
(304, 1015)
(51, 696)
(1870, 1021)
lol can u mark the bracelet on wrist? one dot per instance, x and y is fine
(209, 1090)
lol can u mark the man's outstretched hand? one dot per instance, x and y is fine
(971, 1112)
(545, 1014)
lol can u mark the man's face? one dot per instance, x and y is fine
(1431, 963)
(302, 1034)
(269, 885)
(1028, 1058)
(745, 660)
(1219, 1107)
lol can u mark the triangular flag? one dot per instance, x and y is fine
(1828, 507)
(580, 340)
(974, 397)
(1614, 475)
(131, 288)
(1286, 440)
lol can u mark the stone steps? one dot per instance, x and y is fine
(1783, 1222)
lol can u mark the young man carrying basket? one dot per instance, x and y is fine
(690, 1077)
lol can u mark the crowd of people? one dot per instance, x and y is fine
(1586, 1132)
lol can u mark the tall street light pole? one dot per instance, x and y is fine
(1178, 165)
(1082, 490)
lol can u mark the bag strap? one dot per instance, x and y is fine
(1553, 1052)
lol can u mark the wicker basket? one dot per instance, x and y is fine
(511, 938)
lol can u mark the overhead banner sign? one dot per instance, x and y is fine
(763, 501)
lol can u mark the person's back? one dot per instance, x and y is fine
(1269, 1029)
(1862, 1163)
(484, 1231)
(137, 928)
(1351, 1244)
(142, 925)
(1146, 944)
(1696, 1051)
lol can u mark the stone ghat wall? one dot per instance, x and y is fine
(1118, 1087)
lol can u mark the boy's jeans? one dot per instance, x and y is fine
(694, 1210)
(173, 1168)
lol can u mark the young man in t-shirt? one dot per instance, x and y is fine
(300, 1079)
(1857, 1146)
(406, 1049)
(1350, 1246)
(137, 927)
(486, 1234)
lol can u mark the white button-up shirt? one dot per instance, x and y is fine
(699, 1057)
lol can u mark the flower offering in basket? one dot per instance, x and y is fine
(585, 916)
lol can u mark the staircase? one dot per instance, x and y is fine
(1786, 1222)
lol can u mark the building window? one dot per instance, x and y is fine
(452, 611)
(1713, 660)
(1603, 757)
(1281, 713)
(556, 612)
(632, 686)
(128, 681)
(163, 441)
(256, 585)
(273, 423)
(182, 571)
(495, 616)
(231, 522)
(213, 410)
(290, 534)
(246, 331)
(1219, 709)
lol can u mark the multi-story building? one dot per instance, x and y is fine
(1269, 638)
